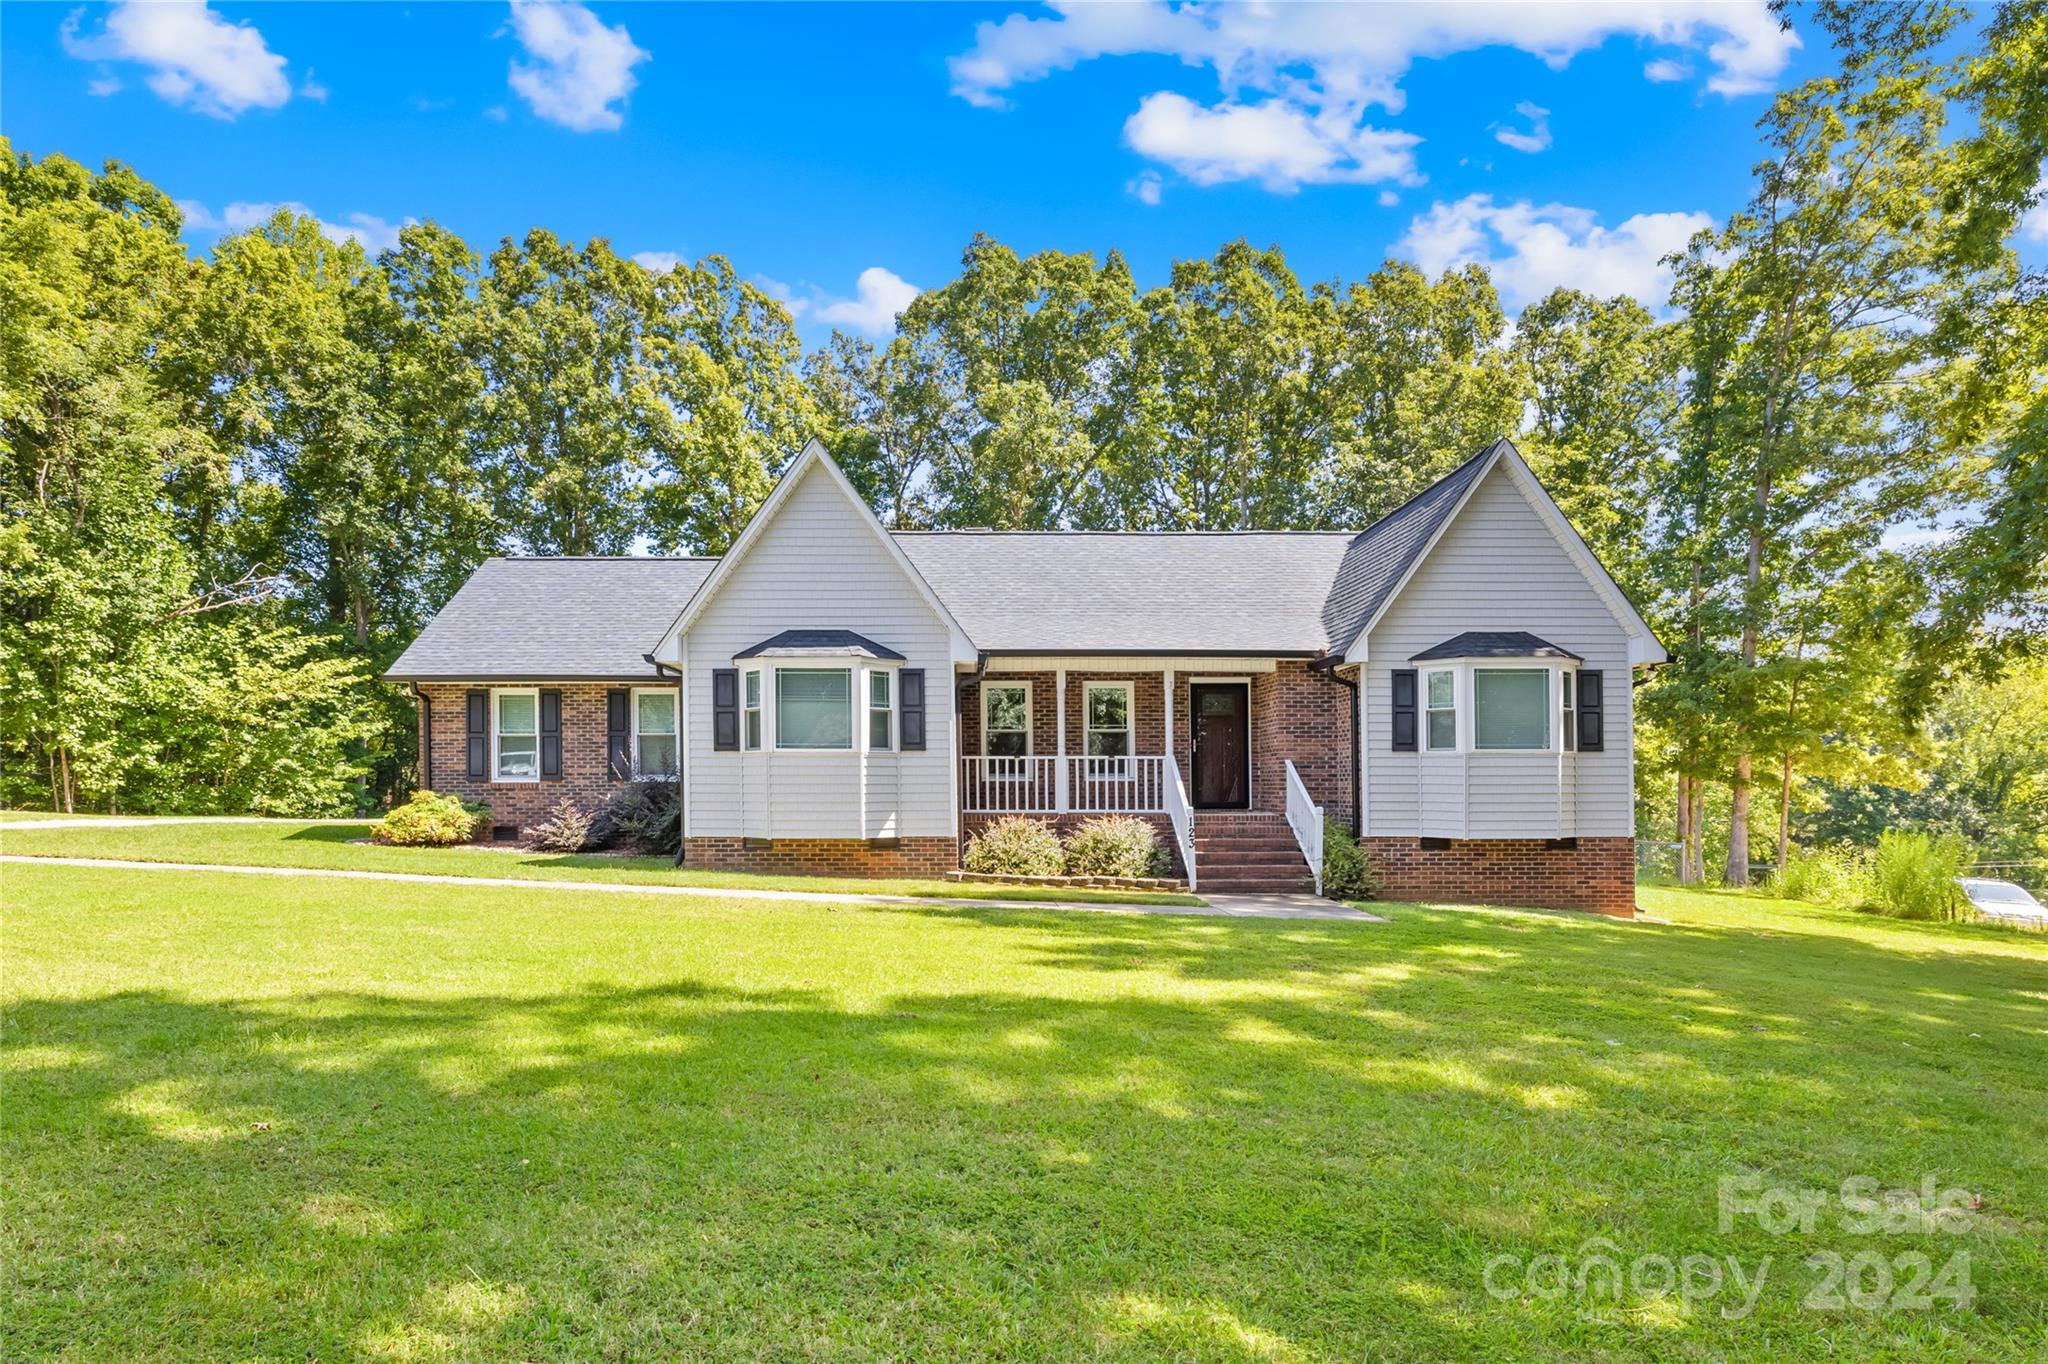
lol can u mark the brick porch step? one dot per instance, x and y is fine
(1249, 851)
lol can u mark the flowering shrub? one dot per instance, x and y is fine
(1015, 846)
(430, 821)
(1116, 845)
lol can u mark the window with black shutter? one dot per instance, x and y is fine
(1404, 710)
(550, 735)
(725, 709)
(1592, 714)
(618, 734)
(478, 734)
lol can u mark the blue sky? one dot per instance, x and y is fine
(845, 153)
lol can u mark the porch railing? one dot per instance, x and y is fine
(1305, 817)
(1048, 784)
(1182, 816)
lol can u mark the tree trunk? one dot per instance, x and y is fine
(64, 778)
(1785, 813)
(1686, 876)
(1738, 825)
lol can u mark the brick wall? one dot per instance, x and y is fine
(585, 778)
(1599, 874)
(824, 856)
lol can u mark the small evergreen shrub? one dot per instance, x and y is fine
(565, 830)
(647, 814)
(1015, 846)
(1914, 875)
(431, 821)
(1825, 876)
(1116, 845)
(1349, 872)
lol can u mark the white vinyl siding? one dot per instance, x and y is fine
(818, 566)
(1497, 567)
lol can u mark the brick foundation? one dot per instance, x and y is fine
(1598, 875)
(927, 857)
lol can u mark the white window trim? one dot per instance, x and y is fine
(988, 685)
(1130, 726)
(760, 708)
(1457, 711)
(633, 728)
(1465, 697)
(772, 739)
(496, 693)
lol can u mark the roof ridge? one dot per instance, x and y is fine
(606, 558)
(1436, 483)
(965, 530)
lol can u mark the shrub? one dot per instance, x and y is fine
(565, 830)
(1116, 845)
(1015, 846)
(648, 814)
(1826, 876)
(1914, 876)
(431, 821)
(1349, 872)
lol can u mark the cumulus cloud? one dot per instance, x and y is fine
(580, 68)
(1535, 138)
(1146, 188)
(657, 262)
(374, 233)
(1665, 69)
(879, 295)
(195, 58)
(1297, 81)
(1531, 249)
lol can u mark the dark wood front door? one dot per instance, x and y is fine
(1222, 733)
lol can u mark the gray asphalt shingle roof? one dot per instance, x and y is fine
(1251, 592)
(800, 642)
(552, 620)
(1494, 644)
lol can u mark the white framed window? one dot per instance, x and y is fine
(515, 735)
(1511, 709)
(1006, 719)
(1106, 719)
(654, 732)
(814, 708)
(751, 710)
(881, 709)
(1440, 723)
(1567, 709)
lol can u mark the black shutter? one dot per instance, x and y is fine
(725, 709)
(1404, 710)
(479, 734)
(550, 735)
(618, 734)
(1592, 716)
(910, 723)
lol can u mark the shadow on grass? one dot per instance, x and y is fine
(1314, 1158)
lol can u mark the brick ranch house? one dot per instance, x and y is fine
(1452, 682)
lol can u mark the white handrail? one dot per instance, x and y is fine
(1007, 785)
(1183, 820)
(1305, 817)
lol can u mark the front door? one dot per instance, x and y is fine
(1223, 754)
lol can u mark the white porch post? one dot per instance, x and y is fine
(1059, 767)
(1167, 687)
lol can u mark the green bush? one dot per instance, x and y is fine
(1116, 845)
(1914, 876)
(1826, 876)
(648, 814)
(565, 830)
(1015, 846)
(1349, 872)
(431, 821)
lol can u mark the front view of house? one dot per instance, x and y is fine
(1452, 682)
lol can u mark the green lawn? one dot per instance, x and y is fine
(263, 1120)
(296, 843)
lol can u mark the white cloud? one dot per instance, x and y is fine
(581, 69)
(2034, 225)
(1280, 144)
(657, 262)
(376, 234)
(1531, 249)
(879, 295)
(783, 294)
(1665, 69)
(1296, 80)
(1146, 188)
(1536, 139)
(103, 85)
(1388, 198)
(196, 59)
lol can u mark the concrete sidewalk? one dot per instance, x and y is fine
(1220, 906)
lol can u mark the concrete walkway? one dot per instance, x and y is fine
(1220, 906)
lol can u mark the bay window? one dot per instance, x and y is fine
(1511, 708)
(881, 685)
(1568, 711)
(752, 709)
(515, 736)
(814, 708)
(1442, 685)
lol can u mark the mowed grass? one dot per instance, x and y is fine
(296, 843)
(271, 1121)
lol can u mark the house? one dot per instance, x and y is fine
(1453, 682)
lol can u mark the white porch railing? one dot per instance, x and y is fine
(1183, 817)
(1092, 786)
(1305, 817)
